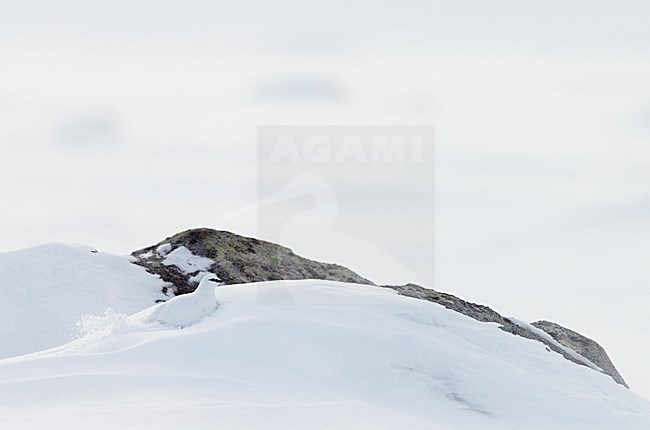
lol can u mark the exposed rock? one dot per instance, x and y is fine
(181, 261)
(235, 260)
(584, 346)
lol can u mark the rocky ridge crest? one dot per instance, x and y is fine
(182, 259)
(234, 259)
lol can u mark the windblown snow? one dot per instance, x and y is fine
(308, 355)
(46, 290)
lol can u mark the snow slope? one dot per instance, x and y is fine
(45, 290)
(310, 355)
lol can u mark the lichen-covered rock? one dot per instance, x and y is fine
(472, 310)
(235, 260)
(584, 346)
(183, 259)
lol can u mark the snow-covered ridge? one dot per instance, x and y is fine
(549, 338)
(183, 259)
(89, 282)
(45, 290)
(312, 354)
(428, 367)
(545, 332)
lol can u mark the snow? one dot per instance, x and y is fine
(45, 290)
(309, 355)
(186, 261)
(541, 333)
(164, 249)
(185, 310)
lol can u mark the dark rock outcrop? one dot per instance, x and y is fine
(585, 347)
(236, 260)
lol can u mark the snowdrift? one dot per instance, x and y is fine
(47, 289)
(309, 355)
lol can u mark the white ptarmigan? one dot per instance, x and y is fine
(186, 310)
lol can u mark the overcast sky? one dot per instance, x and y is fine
(122, 123)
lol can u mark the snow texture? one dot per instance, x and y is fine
(187, 262)
(164, 249)
(549, 338)
(308, 355)
(45, 290)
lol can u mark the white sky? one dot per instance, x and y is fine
(124, 122)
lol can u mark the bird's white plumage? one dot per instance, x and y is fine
(186, 310)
